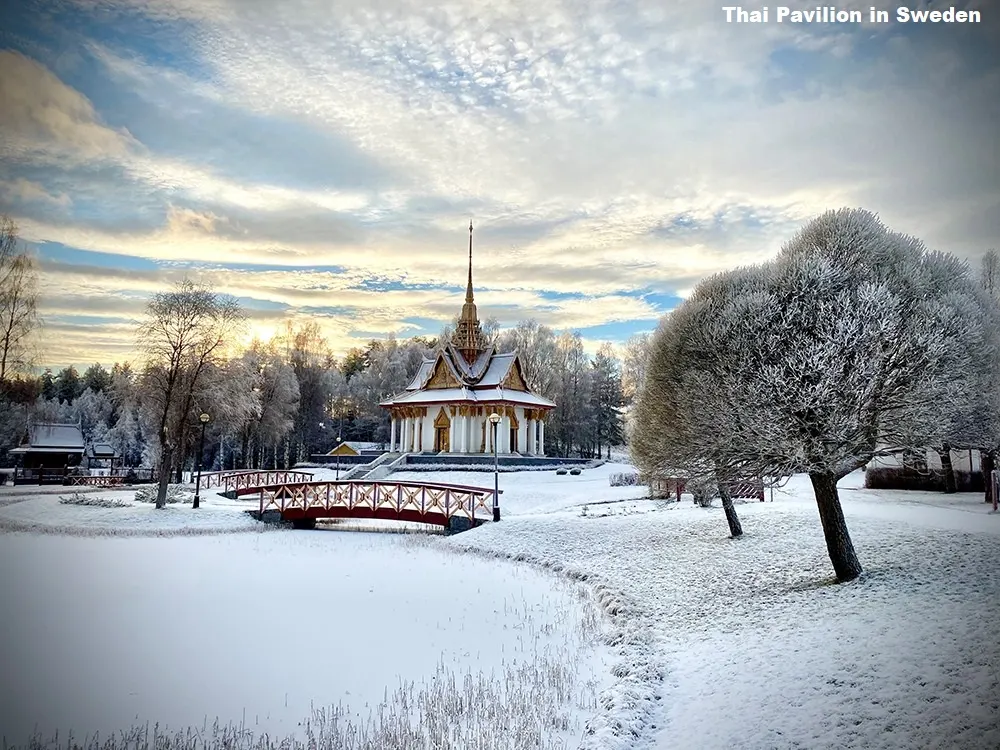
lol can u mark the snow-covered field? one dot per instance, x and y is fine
(711, 642)
(258, 629)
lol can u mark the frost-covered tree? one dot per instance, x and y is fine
(535, 345)
(570, 428)
(855, 342)
(18, 301)
(990, 273)
(606, 399)
(97, 378)
(635, 359)
(93, 410)
(186, 330)
(276, 391)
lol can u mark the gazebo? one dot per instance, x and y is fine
(447, 405)
(101, 458)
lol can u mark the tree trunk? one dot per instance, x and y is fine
(735, 529)
(838, 538)
(987, 462)
(164, 476)
(948, 469)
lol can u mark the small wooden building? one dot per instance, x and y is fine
(101, 459)
(48, 453)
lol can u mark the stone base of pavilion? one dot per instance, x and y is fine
(485, 460)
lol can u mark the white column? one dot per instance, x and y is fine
(403, 430)
(541, 438)
(503, 439)
(392, 437)
(522, 434)
(453, 434)
(463, 433)
(530, 444)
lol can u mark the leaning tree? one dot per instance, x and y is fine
(854, 342)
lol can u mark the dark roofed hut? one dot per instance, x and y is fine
(101, 456)
(48, 453)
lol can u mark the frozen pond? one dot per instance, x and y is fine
(100, 634)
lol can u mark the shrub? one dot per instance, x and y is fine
(624, 479)
(574, 471)
(93, 500)
(175, 494)
(560, 472)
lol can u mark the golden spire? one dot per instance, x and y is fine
(468, 288)
(468, 336)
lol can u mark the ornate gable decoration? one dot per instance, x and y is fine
(514, 381)
(442, 376)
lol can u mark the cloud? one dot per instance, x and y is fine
(40, 115)
(611, 149)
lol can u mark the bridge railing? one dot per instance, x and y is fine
(237, 480)
(434, 502)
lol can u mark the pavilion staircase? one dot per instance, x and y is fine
(376, 469)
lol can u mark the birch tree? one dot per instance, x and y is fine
(186, 330)
(18, 300)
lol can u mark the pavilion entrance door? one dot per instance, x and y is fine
(442, 433)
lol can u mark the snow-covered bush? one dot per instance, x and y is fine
(94, 500)
(176, 493)
(575, 471)
(560, 472)
(624, 479)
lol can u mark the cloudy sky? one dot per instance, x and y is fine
(323, 159)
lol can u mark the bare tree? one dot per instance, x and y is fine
(18, 300)
(186, 332)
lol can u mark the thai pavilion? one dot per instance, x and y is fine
(447, 406)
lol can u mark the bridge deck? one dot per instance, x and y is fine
(431, 502)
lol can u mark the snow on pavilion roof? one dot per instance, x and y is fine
(482, 381)
(468, 396)
(66, 437)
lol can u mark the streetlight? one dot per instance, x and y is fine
(204, 419)
(337, 451)
(495, 420)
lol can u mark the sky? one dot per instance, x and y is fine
(322, 161)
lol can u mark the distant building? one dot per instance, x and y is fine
(48, 452)
(446, 408)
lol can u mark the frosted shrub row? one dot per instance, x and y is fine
(175, 494)
(93, 500)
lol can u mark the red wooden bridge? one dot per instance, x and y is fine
(235, 481)
(432, 503)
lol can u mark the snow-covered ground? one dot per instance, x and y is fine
(714, 642)
(40, 509)
(257, 629)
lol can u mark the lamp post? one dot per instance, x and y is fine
(204, 419)
(495, 421)
(337, 451)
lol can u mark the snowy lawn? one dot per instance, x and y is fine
(750, 644)
(43, 511)
(258, 629)
(715, 643)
